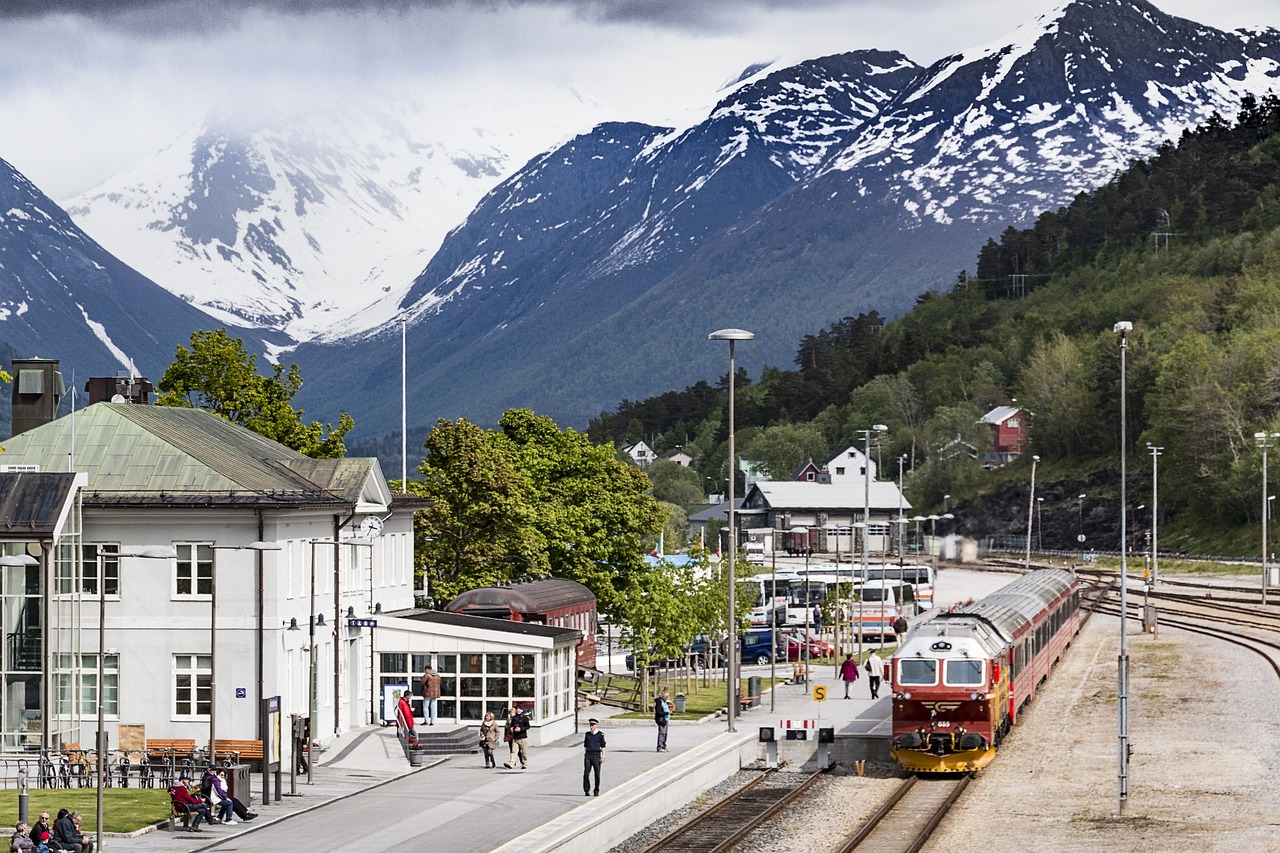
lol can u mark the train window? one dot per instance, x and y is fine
(918, 671)
(963, 672)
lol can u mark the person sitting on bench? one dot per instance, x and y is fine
(182, 796)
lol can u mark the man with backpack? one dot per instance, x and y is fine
(662, 716)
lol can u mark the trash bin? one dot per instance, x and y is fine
(753, 690)
(238, 777)
(680, 703)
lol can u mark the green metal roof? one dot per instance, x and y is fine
(171, 454)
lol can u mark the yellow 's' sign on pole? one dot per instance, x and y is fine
(819, 693)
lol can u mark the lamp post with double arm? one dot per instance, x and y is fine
(148, 552)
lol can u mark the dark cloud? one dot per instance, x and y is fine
(166, 16)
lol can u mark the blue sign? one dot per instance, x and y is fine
(362, 623)
(241, 692)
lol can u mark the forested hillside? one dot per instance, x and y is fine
(1186, 246)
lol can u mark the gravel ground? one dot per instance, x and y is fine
(1203, 731)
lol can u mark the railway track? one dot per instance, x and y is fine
(723, 827)
(907, 819)
(1267, 649)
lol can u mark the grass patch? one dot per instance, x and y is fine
(701, 698)
(127, 809)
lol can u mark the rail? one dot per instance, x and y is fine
(906, 820)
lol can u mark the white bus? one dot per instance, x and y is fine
(921, 577)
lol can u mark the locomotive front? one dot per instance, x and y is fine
(948, 690)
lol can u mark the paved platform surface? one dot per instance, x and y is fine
(365, 793)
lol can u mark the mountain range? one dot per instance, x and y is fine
(830, 187)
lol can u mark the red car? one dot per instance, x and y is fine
(796, 643)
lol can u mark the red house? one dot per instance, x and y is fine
(1008, 434)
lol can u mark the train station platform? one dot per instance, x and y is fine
(468, 809)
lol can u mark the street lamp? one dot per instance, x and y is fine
(1031, 505)
(149, 552)
(866, 507)
(902, 519)
(213, 635)
(1040, 525)
(1080, 521)
(1265, 440)
(318, 619)
(1122, 329)
(732, 336)
(808, 614)
(1155, 511)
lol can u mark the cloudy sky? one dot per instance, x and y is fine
(88, 87)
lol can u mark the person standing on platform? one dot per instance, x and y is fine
(875, 669)
(900, 627)
(848, 673)
(662, 716)
(430, 693)
(489, 739)
(518, 736)
(593, 746)
(817, 619)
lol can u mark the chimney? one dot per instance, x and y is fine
(124, 387)
(37, 392)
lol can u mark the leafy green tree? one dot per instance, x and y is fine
(675, 484)
(783, 448)
(219, 375)
(479, 528)
(675, 527)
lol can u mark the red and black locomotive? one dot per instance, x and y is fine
(960, 678)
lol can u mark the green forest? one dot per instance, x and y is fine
(1185, 245)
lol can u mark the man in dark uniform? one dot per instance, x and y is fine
(593, 744)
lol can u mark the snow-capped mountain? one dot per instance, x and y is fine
(1007, 130)
(811, 192)
(63, 296)
(292, 225)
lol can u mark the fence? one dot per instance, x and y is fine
(78, 768)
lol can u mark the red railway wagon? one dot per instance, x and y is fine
(555, 601)
(960, 678)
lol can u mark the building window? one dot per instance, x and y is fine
(192, 685)
(193, 570)
(1014, 423)
(89, 685)
(809, 476)
(110, 567)
(839, 470)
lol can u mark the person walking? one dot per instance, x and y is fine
(489, 739)
(517, 735)
(817, 619)
(430, 693)
(875, 669)
(593, 755)
(662, 716)
(900, 627)
(848, 673)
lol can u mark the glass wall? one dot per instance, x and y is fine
(472, 684)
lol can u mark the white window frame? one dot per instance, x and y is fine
(192, 665)
(110, 569)
(189, 555)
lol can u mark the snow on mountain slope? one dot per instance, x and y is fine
(289, 228)
(1003, 131)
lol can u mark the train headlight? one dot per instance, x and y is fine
(975, 695)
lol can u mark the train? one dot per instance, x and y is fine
(960, 679)
(556, 601)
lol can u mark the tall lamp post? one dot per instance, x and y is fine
(866, 510)
(808, 613)
(1155, 511)
(1040, 524)
(1080, 521)
(213, 635)
(1265, 440)
(149, 552)
(318, 619)
(1031, 505)
(1122, 329)
(732, 336)
(902, 519)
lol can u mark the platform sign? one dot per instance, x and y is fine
(819, 693)
(390, 698)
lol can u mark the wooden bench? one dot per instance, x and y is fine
(745, 700)
(157, 747)
(249, 750)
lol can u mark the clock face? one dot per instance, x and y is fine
(370, 527)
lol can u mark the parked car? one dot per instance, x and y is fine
(698, 653)
(757, 647)
(795, 643)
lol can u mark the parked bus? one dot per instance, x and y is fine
(879, 604)
(919, 576)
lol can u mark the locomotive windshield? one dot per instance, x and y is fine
(918, 671)
(964, 672)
